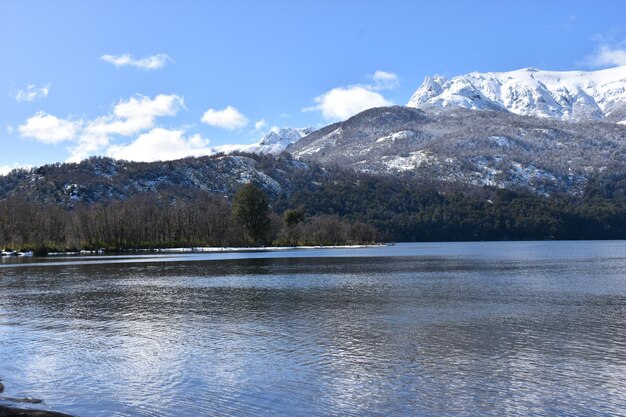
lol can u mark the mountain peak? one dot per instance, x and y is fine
(272, 143)
(285, 136)
(563, 95)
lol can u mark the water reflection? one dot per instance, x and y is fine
(469, 334)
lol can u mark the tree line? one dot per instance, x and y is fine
(416, 210)
(150, 221)
(344, 208)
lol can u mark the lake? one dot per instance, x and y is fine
(420, 329)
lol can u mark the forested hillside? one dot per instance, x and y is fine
(102, 203)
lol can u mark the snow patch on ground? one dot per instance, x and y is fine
(486, 173)
(500, 141)
(408, 162)
(405, 134)
(308, 151)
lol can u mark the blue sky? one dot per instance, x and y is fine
(82, 78)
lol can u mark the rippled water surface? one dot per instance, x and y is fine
(414, 329)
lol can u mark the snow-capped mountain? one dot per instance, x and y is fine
(277, 140)
(568, 95)
(464, 146)
(272, 143)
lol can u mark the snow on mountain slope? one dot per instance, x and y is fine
(277, 140)
(571, 95)
(453, 144)
(272, 143)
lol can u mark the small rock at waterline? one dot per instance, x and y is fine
(22, 400)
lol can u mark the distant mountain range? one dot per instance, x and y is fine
(577, 96)
(540, 131)
(567, 95)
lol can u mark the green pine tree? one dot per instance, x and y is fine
(251, 210)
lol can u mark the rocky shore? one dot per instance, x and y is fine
(6, 411)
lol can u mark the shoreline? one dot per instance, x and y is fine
(6, 411)
(10, 411)
(213, 249)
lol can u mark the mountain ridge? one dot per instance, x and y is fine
(272, 143)
(102, 179)
(564, 95)
(454, 144)
(460, 130)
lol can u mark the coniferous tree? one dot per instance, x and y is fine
(251, 210)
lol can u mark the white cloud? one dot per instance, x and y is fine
(128, 118)
(260, 124)
(384, 80)
(607, 56)
(343, 102)
(48, 129)
(142, 106)
(87, 145)
(32, 93)
(148, 63)
(136, 114)
(230, 118)
(610, 50)
(6, 169)
(161, 144)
